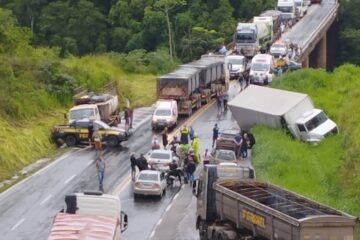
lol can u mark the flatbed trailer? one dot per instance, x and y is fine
(255, 209)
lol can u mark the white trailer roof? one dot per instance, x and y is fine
(268, 100)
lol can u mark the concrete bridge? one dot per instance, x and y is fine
(316, 35)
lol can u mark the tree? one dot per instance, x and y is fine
(167, 6)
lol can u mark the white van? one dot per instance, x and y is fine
(261, 71)
(301, 6)
(165, 114)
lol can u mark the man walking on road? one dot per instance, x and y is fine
(215, 134)
(165, 137)
(100, 165)
(133, 165)
(131, 115)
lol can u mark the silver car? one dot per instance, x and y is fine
(150, 182)
(160, 159)
(223, 156)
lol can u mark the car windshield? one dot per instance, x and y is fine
(225, 155)
(285, 9)
(163, 112)
(160, 155)
(260, 67)
(237, 61)
(102, 125)
(81, 113)
(277, 46)
(316, 121)
(245, 37)
(298, 4)
(148, 177)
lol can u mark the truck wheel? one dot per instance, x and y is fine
(112, 141)
(70, 140)
(203, 230)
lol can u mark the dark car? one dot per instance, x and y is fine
(77, 132)
(226, 139)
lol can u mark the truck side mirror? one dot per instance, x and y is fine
(196, 187)
(124, 221)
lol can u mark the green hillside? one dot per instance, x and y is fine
(328, 172)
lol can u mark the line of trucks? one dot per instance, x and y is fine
(264, 30)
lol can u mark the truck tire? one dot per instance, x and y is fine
(113, 141)
(203, 230)
(70, 140)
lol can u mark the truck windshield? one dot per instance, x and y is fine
(163, 112)
(245, 37)
(285, 9)
(298, 4)
(260, 67)
(316, 121)
(81, 113)
(236, 61)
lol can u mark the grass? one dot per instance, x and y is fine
(328, 172)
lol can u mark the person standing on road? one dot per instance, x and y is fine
(131, 115)
(196, 147)
(100, 165)
(219, 101)
(184, 135)
(91, 131)
(97, 139)
(206, 157)
(225, 99)
(244, 146)
(127, 119)
(190, 169)
(165, 137)
(142, 163)
(215, 134)
(238, 141)
(133, 165)
(155, 143)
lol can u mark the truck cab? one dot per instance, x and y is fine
(301, 6)
(237, 66)
(314, 125)
(205, 194)
(288, 9)
(90, 215)
(245, 38)
(84, 111)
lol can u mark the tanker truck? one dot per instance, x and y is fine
(235, 206)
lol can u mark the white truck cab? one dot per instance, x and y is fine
(261, 70)
(288, 9)
(236, 65)
(302, 7)
(314, 125)
(84, 111)
(165, 114)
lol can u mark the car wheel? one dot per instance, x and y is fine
(70, 140)
(113, 141)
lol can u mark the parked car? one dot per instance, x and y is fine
(223, 156)
(293, 65)
(237, 66)
(226, 139)
(160, 159)
(150, 182)
(77, 132)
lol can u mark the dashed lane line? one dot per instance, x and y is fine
(18, 224)
(46, 199)
(70, 178)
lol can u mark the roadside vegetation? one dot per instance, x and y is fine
(328, 172)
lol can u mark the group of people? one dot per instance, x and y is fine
(286, 25)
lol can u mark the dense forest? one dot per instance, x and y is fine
(81, 27)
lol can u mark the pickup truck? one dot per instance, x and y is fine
(77, 132)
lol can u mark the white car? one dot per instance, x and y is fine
(150, 182)
(278, 49)
(160, 159)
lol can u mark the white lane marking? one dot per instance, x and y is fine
(70, 178)
(152, 234)
(122, 185)
(17, 224)
(46, 199)
(168, 207)
(159, 222)
(89, 163)
(176, 196)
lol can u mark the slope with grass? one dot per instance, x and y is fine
(328, 172)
